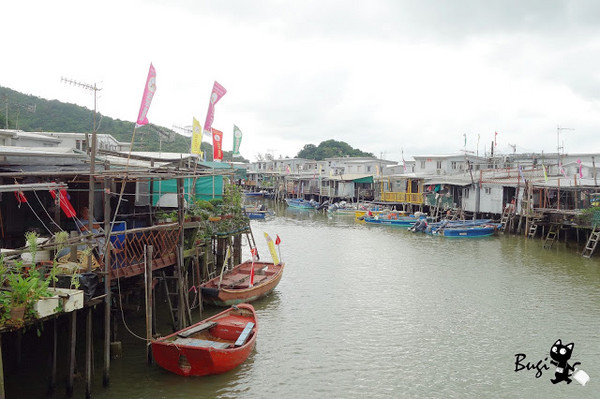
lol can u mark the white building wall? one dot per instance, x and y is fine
(491, 199)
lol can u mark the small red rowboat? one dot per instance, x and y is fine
(234, 286)
(212, 346)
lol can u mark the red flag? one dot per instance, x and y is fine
(277, 240)
(217, 136)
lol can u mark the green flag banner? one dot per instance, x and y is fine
(237, 140)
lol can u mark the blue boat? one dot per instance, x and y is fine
(257, 214)
(399, 221)
(483, 230)
(299, 203)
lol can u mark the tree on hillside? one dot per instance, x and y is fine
(55, 116)
(330, 149)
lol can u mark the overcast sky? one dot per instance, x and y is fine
(385, 76)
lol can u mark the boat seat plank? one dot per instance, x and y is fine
(244, 335)
(201, 343)
(197, 329)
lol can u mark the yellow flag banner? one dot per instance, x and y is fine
(272, 250)
(196, 137)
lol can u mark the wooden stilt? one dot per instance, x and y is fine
(72, 342)
(19, 359)
(52, 385)
(199, 280)
(148, 303)
(88, 353)
(107, 298)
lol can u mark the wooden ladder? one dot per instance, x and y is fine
(551, 236)
(592, 242)
(533, 227)
(505, 218)
(173, 299)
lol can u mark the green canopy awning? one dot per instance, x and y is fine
(368, 179)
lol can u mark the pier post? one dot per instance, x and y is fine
(72, 342)
(88, 352)
(148, 285)
(52, 385)
(107, 298)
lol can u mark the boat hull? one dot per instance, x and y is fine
(299, 204)
(186, 358)
(257, 215)
(399, 222)
(229, 292)
(467, 232)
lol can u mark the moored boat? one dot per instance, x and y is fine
(300, 203)
(213, 346)
(257, 214)
(401, 221)
(236, 286)
(482, 230)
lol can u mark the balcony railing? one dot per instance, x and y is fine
(127, 249)
(403, 198)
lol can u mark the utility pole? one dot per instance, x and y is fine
(88, 335)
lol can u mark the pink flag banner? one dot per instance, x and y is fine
(217, 136)
(218, 91)
(580, 169)
(147, 97)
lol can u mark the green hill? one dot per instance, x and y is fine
(30, 113)
(330, 149)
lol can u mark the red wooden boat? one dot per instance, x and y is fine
(234, 286)
(212, 346)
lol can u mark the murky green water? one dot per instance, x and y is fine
(369, 311)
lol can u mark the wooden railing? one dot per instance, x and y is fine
(403, 198)
(127, 249)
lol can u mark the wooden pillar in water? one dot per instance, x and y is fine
(107, 298)
(72, 342)
(88, 352)
(181, 311)
(199, 280)
(149, 290)
(52, 384)
(237, 249)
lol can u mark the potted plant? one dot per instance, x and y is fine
(22, 290)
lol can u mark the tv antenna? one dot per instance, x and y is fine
(514, 147)
(558, 146)
(95, 89)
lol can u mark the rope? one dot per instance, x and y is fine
(38, 218)
(44, 208)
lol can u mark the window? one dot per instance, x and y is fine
(488, 190)
(422, 164)
(368, 168)
(439, 165)
(453, 165)
(466, 193)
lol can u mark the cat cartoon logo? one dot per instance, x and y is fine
(560, 355)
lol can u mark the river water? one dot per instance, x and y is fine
(379, 312)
